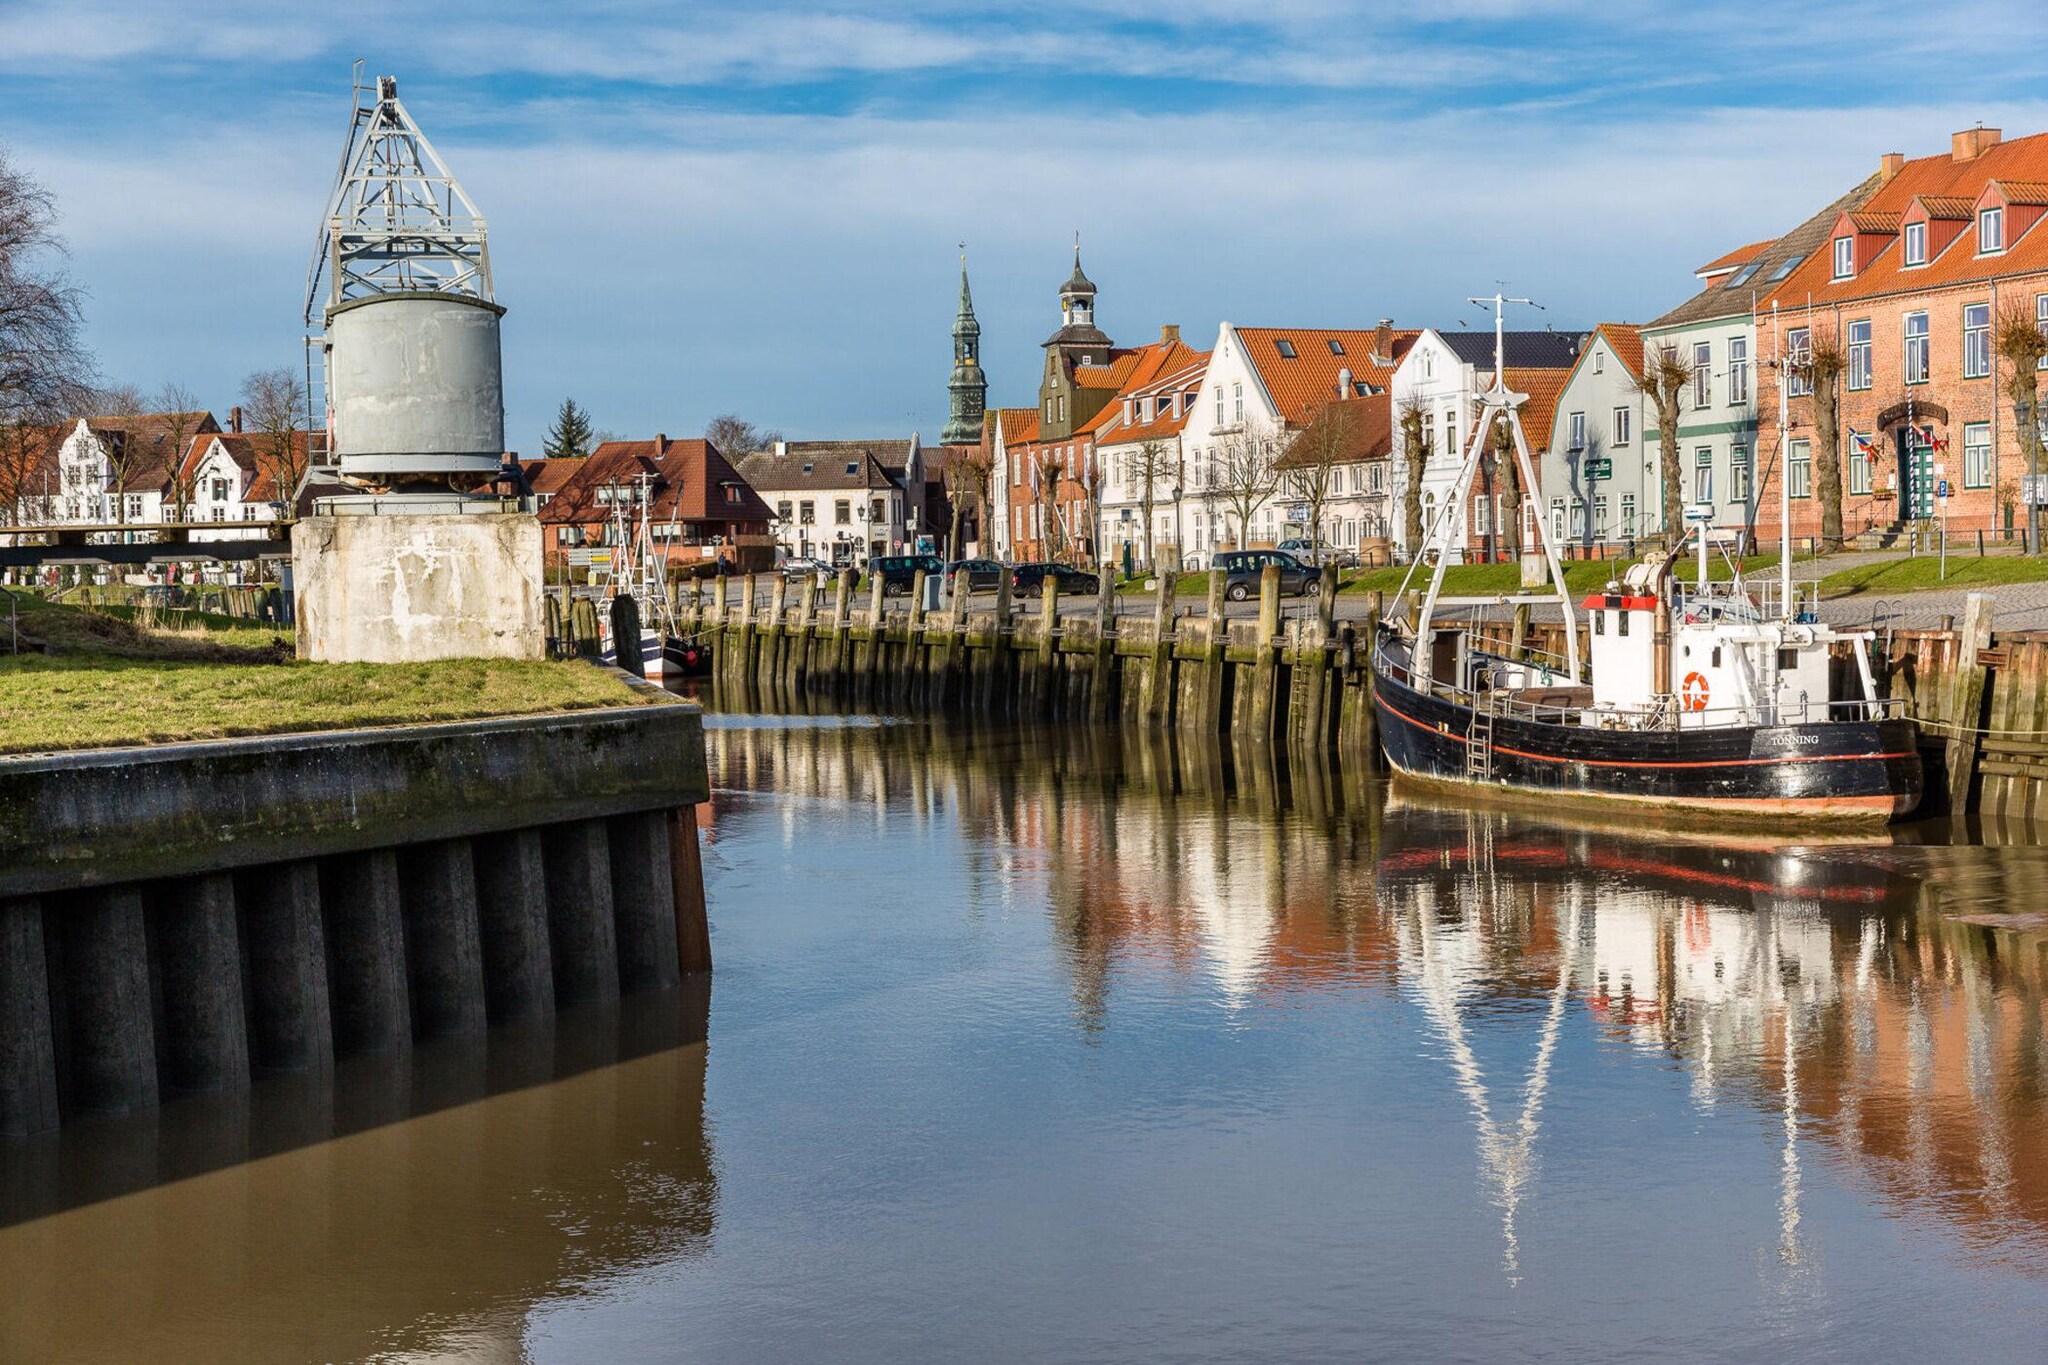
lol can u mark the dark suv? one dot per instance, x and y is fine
(899, 572)
(1243, 568)
(1026, 578)
(974, 575)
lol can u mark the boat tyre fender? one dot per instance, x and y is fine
(1693, 692)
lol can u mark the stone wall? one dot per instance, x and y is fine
(407, 588)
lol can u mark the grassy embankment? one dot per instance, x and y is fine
(90, 679)
(1923, 572)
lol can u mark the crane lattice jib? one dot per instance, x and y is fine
(398, 220)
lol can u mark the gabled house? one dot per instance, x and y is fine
(1598, 474)
(1009, 434)
(699, 509)
(1263, 386)
(1345, 451)
(107, 471)
(1909, 282)
(1137, 452)
(841, 501)
(230, 477)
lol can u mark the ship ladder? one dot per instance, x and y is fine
(1479, 743)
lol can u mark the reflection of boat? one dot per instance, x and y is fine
(1756, 727)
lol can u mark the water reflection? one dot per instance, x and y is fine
(1873, 1003)
(539, 1168)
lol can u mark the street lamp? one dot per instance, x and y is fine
(1180, 546)
(2023, 414)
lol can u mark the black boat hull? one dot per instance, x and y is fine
(1866, 771)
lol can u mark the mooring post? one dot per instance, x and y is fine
(877, 614)
(914, 659)
(776, 647)
(799, 666)
(205, 1043)
(1159, 681)
(1966, 699)
(1518, 640)
(686, 870)
(1048, 642)
(1103, 698)
(842, 629)
(28, 1059)
(1266, 658)
(1212, 673)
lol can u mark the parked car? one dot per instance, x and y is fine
(898, 572)
(799, 567)
(1302, 550)
(1243, 569)
(974, 575)
(1026, 578)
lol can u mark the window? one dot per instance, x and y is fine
(732, 494)
(1375, 478)
(1429, 364)
(220, 490)
(1745, 275)
(1916, 348)
(1703, 474)
(1624, 426)
(1785, 268)
(1237, 403)
(1336, 346)
(1976, 340)
(1738, 369)
(842, 513)
(1482, 515)
(1859, 354)
(1579, 517)
(1845, 257)
(1859, 466)
(1599, 362)
(1702, 374)
(1578, 430)
(1285, 347)
(1628, 514)
(1990, 231)
(134, 506)
(1219, 405)
(1798, 350)
(1600, 515)
(1916, 243)
(807, 513)
(784, 510)
(1977, 455)
(567, 536)
(1738, 474)
(1799, 469)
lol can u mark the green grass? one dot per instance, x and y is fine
(1489, 579)
(95, 680)
(1922, 572)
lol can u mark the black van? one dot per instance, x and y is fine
(1243, 568)
(898, 572)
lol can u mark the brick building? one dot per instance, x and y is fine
(699, 509)
(1910, 285)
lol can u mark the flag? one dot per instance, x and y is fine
(1864, 445)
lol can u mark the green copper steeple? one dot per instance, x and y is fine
(968, 389)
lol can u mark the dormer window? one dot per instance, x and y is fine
(1916, 244)
(1845, 257)
(1286, 348)
(1990, 231)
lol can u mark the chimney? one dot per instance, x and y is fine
(1169, 333)
(1972, 143)
(782, 447)
(1344, 382)
(660, 444)
(1889, 165)
(234, 419)
(1383, 341)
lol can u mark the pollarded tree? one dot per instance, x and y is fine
(1665, 375)
(1820, 365)
(1155, 464)
(1314, 459)
(1415, 453)
(2021, 346)
(571, 437)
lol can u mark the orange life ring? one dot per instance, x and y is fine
(1694, 692)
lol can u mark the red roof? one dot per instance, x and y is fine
(1735, 259)
(682, 473)
(546, 477)
(1363, 429)
(1019, 424)
(1301, 383)
(257, 455)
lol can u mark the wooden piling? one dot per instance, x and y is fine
(1967, 696)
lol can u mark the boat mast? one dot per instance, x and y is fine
(1496, 402)
(1784, 471)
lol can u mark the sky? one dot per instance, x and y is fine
(756, 208)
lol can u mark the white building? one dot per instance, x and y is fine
(1140, 442)
(841, 501)
(1599, 472)
(235, 477)
(109, 470)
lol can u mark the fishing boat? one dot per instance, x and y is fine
(637, 568)
(1718, 699)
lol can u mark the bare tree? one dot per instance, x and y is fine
(1415, 453)
(1052, 544)
(1821, 365)
(736, 437)
(1313, 461)
(966, 479)
(1244, 478)
(2022, 347)
(1093, 477)
(271, 403)
(1663, 382)
(1155, 462)
(45, 372)
(180, 416)
(1507, 479)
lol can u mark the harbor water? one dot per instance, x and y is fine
(1083, 1046)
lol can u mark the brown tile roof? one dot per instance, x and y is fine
(1723, 298)
(546, 477)
(1539, 414)
(823, 465)
(1364, 430)
(256, 454)
(144, 447)
(1177, 381)
(1948, 189)
(1114, 375)
(1301, 384)
(684, 474)
(1627, 340)
(1868, 220)
(1741, 256)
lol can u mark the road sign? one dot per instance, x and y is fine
(1942, 490)
(1600, 468)
(1699, 513)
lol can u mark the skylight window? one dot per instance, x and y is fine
(1336, 346)
(1286, 348)
(1791, 264)
(1744, 275)
(853, 467)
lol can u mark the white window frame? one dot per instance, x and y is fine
(1915, 343)
(1914, 244)
(1703, 474)
(1628, 514)
(1977, 455)
(1702, 373)
(1845, 257)
(1860, 371)
(1624, 426)
(1738, 370)
(1798, 349)
(1990, 230)
(1578, 431)
(1799, 468)
(1977, 341)
(1859, 469)
(1738, 473)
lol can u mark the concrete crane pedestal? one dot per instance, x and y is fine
(415, 585)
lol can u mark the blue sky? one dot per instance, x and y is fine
(698, 208)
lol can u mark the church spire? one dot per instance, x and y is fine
(968, 388)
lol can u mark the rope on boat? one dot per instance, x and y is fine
(1949, 727)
